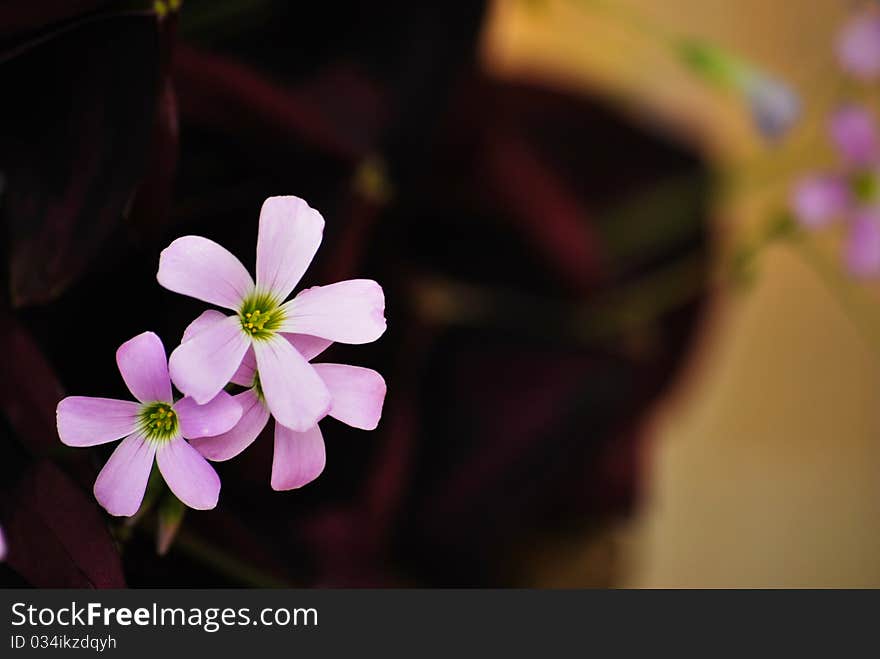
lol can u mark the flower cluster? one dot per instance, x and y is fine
(850, 193)
(265, 345)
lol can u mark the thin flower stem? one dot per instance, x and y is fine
(226, 564)
(454, 303)
(842, 291)
(218, 560)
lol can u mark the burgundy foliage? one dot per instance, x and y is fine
(514, 405)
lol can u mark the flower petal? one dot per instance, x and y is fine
(247, 370)
(202, 366)
(208, 420)
(299, 457)
(85, 421)
(207, 319)
(294, 393)
(144, 367)
(226, 446)
(863, 245)
(858, 47)
(188, 474)
(308, 346)
(2, 545)
(122, 482)
(248, 367)
(816, 200)
(852, 129)
(202, 269)
(357, 394)
(348, 312)
(289, 236)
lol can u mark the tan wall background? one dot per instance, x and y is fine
(765, 463)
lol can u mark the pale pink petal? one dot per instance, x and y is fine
(202, 366)
(206, 319)
(2, 545)
(357, 394)
(85, 421)
(122, 482)
(290, 234)
(144, 367)
(188, 474)
(202, 269)
(294, 393)
(244, 376)
(299, 457)
(208, 420)
(854, 132)
(248, 367)
(308, 346)
(818, 199)
(226, 446)
(348, 312)
(858, 46)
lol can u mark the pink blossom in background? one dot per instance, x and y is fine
(2, 545)
(851, 194)
(858, 46)
(289, 235)
(153, 428)
(357, 396)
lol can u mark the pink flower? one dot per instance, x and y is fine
(153, 427)
(348, 312)
(858, 46)
(357, 395)
(2, 545)
(851, 194)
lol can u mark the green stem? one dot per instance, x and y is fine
(215, 558)
(226, 564)
(842, 291)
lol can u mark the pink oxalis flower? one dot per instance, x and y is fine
(290, 233)
(850, 194)
(357, 395)
(858, 46)
(154, 427)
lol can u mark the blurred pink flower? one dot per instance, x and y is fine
(357, 396)
(2, 545)
(153, 427)
(858, 46)
(289, 236)
(851, 194)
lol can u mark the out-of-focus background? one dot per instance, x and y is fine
(764, 464)
(584, 388)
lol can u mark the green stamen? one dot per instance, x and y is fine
(261, 315)
(158, 422)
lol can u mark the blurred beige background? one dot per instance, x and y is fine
(764, 468)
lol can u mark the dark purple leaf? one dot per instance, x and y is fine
(56, 534)
(151, 206)
(29, 388)
(78, 113)
(225, 95)
(27, 16)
